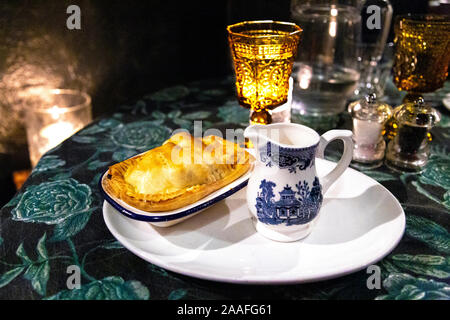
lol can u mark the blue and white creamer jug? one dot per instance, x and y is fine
(284, 193)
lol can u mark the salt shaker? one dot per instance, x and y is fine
(369, 117)
(409, 150)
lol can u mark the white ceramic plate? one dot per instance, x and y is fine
(360, 222)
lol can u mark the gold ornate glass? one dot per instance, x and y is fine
(263, 53)
(422, 54)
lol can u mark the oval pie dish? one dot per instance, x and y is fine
(183, 176)
(170, 218)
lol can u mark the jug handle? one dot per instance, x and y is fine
(344, 162)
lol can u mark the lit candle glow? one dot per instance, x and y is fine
(55, 134)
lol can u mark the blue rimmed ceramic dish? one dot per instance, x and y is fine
(169, 218)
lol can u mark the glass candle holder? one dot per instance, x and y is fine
(53, 115)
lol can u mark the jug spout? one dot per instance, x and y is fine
(256, 133)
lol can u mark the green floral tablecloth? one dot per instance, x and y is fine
(55, 220)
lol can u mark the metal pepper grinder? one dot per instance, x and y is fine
(409, 150)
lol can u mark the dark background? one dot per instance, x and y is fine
(129, 48)
(124, 50)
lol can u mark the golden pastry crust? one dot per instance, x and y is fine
(180, 172)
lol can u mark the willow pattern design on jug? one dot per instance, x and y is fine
(287, 158)
(292, 207)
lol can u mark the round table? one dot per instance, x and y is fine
(54, 226)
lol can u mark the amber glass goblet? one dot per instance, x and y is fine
(263, 54)
(422, 54)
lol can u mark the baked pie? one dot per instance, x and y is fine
(180, 172)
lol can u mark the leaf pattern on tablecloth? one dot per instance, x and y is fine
(37, 271)
(432, 234)
(110, 288)
(437, 174)
(140, 135)
(10, 275)
(402, 286)
(177, 294)
(48, 162)
(71, 226)
(170, 94)
(380, 176)
(55, 221)
(425, 265)
(232, 112)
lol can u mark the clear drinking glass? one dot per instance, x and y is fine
(383, 71)
(376, 22)
(325, 72)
